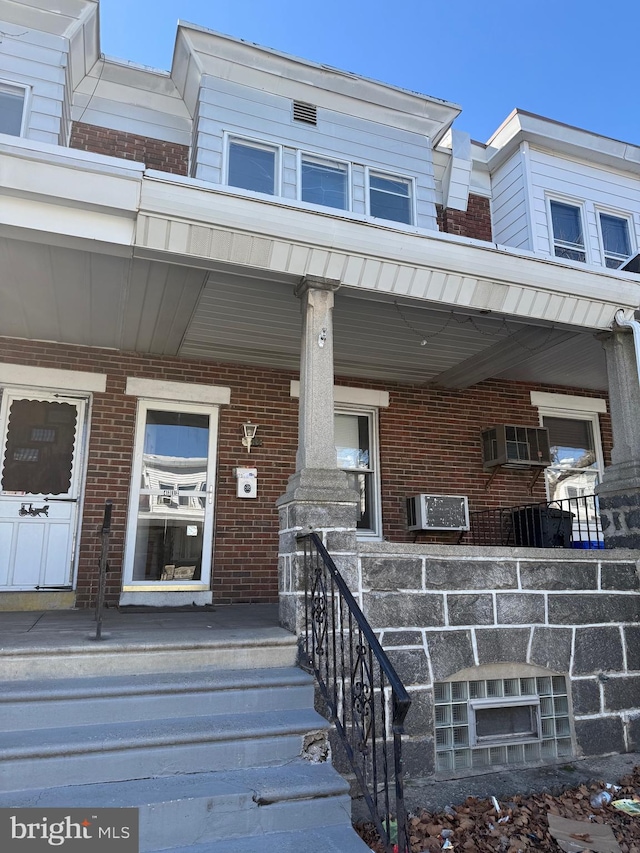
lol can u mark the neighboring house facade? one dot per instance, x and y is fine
(160, 233)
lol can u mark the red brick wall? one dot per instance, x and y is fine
(474, 222)
(154, 153)
(429, 442)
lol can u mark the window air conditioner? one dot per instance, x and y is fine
(515, 447)
(438, 512)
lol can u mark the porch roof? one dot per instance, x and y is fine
(98, 251)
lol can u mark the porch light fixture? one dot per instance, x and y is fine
(249, 435)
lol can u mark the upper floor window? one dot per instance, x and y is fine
(568, 235)
(615, 239)
(324, 182)
(12, 108)
(252, 166)
(390, 197)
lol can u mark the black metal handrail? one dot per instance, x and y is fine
(563, 523)
(357, 681)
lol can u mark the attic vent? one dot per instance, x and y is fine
(308, 113)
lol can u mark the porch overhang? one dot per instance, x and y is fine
(99, 252)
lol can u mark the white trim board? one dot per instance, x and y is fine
(545, 400)
(351, 396)
(181, 392)
(51, 377)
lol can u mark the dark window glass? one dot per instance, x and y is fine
(390, 198)
(324, 183)
(11, 107)
(252, 167)
(567, 231)
(39, 450)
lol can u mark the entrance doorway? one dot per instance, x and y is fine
(170, 525)
(41, 475)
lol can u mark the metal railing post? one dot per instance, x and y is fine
(103, 566)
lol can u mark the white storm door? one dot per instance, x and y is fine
(40, 485)
(170, 526)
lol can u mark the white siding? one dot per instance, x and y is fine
(591, 187)
(134, 100)
(37, 60)
(509, 207)
(240, 110)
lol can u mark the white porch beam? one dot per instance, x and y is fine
(509, 352)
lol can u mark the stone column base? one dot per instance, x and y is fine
(318, 501)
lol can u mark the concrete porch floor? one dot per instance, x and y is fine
(46, 643)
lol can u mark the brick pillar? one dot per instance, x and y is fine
(318, 496)
(619, 492)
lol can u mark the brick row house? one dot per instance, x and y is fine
(254, 295)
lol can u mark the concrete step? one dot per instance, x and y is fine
(77, 755)
(328, 839)
(278, 648)
(85, 701)
(205, 807)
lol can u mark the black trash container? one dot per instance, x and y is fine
(541, 527)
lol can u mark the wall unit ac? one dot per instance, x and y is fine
(438, 512)
(515, 447)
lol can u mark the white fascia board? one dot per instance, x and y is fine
(179, 392)
(545, 400)
(264, 68)
(68, 185)
(51, 377)
(35, 150)
(355, 396)
(560, 138)
(372, 255)
(65, 225)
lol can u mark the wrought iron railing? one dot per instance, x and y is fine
(366, 699)
(565, 523)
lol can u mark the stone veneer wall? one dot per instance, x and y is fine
(443, 609)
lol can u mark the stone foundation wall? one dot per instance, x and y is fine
(446, 609)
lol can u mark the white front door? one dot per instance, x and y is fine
(170, 527)
(40, 484)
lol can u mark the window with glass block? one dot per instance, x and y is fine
(501, 721)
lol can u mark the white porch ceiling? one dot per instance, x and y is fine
(62, 294)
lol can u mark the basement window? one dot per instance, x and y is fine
(501, 721)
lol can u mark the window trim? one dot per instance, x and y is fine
(393, 176)
(580, 206)
(372, 412)
(616, 214)
(301, 153)
(26, 104)
(252, 142)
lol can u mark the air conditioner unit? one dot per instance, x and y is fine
(515, 447)
(438, 512)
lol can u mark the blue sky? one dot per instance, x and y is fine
(571, 60)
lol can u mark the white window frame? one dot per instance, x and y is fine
(626, 217)
(392, 176)
(569, 202)
(312, 155)
(252, 142)
(371, 412)
(26, 103)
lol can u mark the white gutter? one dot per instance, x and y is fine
(634, 325)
